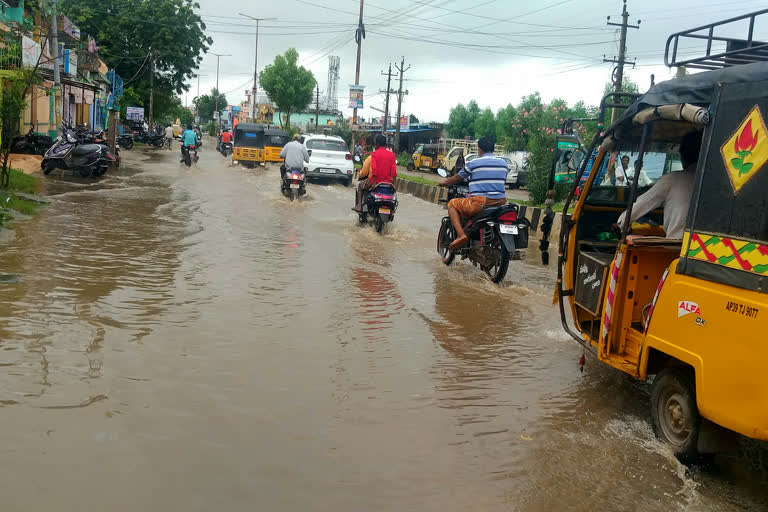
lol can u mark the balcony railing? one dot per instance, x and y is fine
(10, 55)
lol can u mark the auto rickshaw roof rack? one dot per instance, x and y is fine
(721, 52)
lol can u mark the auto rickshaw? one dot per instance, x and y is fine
(426, 156)
(248, 146)
(274, 140)
(691, 311)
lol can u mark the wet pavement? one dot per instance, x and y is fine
(188, 339)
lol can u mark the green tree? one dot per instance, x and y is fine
(461, 120)
(13, 102)
(504, 118)
(485, 124)
(138, 36)
(287, 84)
(206, 104)
(413, 119)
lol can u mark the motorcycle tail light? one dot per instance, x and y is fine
(348, 156)
(508, 217)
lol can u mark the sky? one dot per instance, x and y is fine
(492, 51)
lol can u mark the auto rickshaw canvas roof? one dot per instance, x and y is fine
(697, 89)
(250, 126)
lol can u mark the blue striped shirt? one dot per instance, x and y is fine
(487, 176)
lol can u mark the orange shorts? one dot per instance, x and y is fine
(468, 207)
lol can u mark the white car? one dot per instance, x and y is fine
(512, 169)
(329, 158)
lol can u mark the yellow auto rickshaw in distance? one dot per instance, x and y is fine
(691, 307)
(274, 140)
(248, 145)
(426, 157)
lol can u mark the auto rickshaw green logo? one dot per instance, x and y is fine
(746, 152)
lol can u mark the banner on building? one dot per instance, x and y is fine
(356, 96)
(405, 122)
(134, 113)
(30, 52)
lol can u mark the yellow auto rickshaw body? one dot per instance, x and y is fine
(274, 141)
(248, 145)
(426, 157)
(695, 306)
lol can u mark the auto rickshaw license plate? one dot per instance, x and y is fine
(385, 210)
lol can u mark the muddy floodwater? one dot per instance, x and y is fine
(178, 339)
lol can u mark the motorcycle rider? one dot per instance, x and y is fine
(188, 138)
(383, 170)
(224, 138)
(294, 154)
(487, 176)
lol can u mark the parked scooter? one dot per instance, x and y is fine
(293, 183)
(69, 152)
(496, 235)
(379, 205)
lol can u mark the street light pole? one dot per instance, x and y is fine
(218, 57)
(255, 65)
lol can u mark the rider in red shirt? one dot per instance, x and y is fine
(226, 136)
(383, 163)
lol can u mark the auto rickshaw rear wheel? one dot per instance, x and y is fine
(410, 166)
(674, 413)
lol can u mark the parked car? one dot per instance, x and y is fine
(329, 158)
(512, 169)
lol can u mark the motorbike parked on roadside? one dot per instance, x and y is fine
(31, 143)
(293, 183)
(379, 206)
(70, 152)
(496, 235)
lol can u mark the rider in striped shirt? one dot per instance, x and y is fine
(487, 177)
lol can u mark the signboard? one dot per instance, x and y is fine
(356, 96)
(134, 113)
(70, 63)
(405, 122)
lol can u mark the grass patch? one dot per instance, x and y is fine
(558, 207)
(417, 179)
(21, 183)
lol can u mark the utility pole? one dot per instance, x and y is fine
(218, 57)
(56, 73)
(151, 89)
(359, 36)
(389, 91)
(618, 73)
(255, 65)
(317, 107)
(402, 69)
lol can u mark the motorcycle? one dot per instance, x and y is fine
(69, 152)
(379, 205)
(31, 144)
(226, 149)
(293, 184)
(190, 155)
(496, 236)
(125, 140)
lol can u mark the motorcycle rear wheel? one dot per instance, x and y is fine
(445, 237)
(294, 194)
(127, 144)
(379, 224)
(500, 266)
(85, 171)
(187, 160)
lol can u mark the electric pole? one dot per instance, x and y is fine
(255, 65)
(402, 69)
(56, 74)
(359, 36)
(151, 89)
(389, 91)
(618, 74)
(317, 107)
(218, 57)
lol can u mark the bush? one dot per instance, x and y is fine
(403, 158)
(211, 128)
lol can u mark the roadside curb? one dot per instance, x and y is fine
(432, 194)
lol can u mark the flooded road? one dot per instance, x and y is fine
(187, 339)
